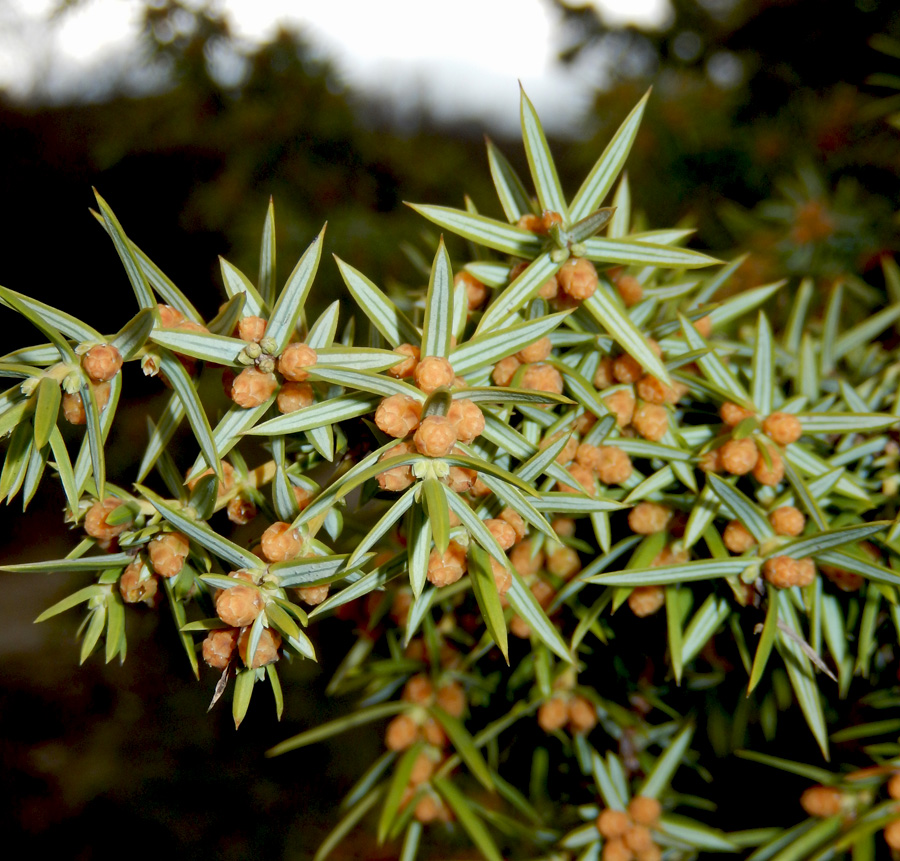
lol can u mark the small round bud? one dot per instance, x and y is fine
(240, 510)
(436, 436)
(536, 352)
(312, 595)
(225, 485)
(468, 417)
(553, 714)
(651, 421)
(892, 834)
(294, 396)
(614, 465)
(505, 370)
(646, 600)
(621, 405)
(604, 375)
(476, 292)
(430, 809)
(822, 801)
(218, 647)
(102, 362)
(734, 414)
(433, 733)
(295, 362)
(782, 428)
(398, 415)
(630, 290)
(613, 823)
(577, 278)
(549, 218)
(584, 477)
(711, 461)
(169, 317)
(251, 328)
(502, 577)
(582, 715)
(266, 651)
(616, 850)
(524, 560)
(893, 785)
(639, 839)
(564, 562)
(564, 527)
(401, 732)
(531, 222)
(397, 477)
(432, 372)
(588, 456)
(448, 567)
(251, 388)
(460, 479)
(653, 391)
(418, 689)
(407, 367)
(627, 369)
(73, 406)
(239, 605)
(766, 474)
(503, 533)
(670, 556)
(422, 769)
(787, 520)
(738, 456)
(644, 810)
(516, 521)
(452, 699)
(805, 572)
(845, 580)
(133, 588)
(543, 378)
(302, 495)
(549, 289)
(781, 571)
(95, 523)
(737, 537)
(280, 542)
(648, 517)
(167, 553)
(704, 326)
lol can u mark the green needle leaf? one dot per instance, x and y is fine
(126, 254)
(604, 172)
(46, 412)
(485, 589)
(540, 160)
(381, 311)
(438, 325)
(483, 231)
(473, 826)
(267, 257)
(510, 190)
(290, 303)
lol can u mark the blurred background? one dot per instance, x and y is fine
(773, 128)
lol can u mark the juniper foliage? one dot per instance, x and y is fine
(504, 478)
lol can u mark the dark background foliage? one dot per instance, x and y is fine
(762, 132)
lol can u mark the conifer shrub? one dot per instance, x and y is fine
(563, 496)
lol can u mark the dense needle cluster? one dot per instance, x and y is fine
(569, 436)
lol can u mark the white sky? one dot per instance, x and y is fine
(463, 58)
